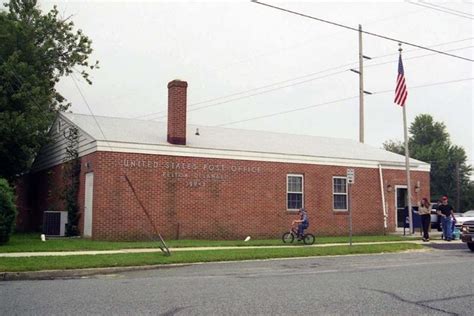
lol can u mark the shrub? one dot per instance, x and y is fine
(7, 211)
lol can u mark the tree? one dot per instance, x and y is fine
(71, 177)
(394, 146)
(429, 141)
(7, 211)
(36, 50)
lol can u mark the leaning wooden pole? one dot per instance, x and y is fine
(163, 246)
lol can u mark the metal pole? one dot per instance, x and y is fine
(407, 166)
(350, 214)
(361, 88)
(458, 188)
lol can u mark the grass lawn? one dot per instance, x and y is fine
(138, 259)
(32, 243)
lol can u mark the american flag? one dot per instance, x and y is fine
(401, 90)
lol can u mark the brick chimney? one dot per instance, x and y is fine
(177, 112)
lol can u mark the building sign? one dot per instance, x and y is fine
(195, 174)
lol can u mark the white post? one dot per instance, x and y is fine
(349, 206)
(383, 198)
(407, 166)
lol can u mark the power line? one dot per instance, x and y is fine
(162, 115)
(258, 88)
(426, 5)
(336, 101)
(90, 110)
(259, 93)
(162, 246)
(20, 82)
(436, 45)
(297, 83)
(312, 39)
(289, 111)
(439, 6)
(272, 52)
(427, 85)
(357, 30)
(414, 57)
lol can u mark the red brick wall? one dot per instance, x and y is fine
(398, 177)
(25, 211)
(229, 198)
(235, 204)
(36, 193)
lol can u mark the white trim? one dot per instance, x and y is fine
(88, 204)
(333, 193)
(302, 190)
(398, 186)
(186, 151)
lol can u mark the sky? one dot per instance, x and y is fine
(253, 67)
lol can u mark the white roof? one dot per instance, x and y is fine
(145, 133)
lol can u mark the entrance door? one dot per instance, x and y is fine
(402, 202)
(88, 204)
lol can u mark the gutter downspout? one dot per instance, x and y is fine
(383, 198)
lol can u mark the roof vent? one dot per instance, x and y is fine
(197, 132)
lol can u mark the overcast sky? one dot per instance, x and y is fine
(232, 53)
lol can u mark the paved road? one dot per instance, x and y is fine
(435, 282)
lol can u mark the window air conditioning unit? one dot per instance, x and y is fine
(54, 223)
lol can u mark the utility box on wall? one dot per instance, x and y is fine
(54, 223)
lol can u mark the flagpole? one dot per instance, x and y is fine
(407, 161)
(407, 166)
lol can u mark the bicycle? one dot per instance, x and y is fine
(289, 237)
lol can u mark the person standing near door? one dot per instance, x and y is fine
(446, 211)
(424, 210)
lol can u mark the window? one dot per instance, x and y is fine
(294, 191)
(339, 191)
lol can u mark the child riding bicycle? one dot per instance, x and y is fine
(303, 223)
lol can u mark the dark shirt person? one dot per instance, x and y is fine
(303, 222)
(424, 210)
(446, 211)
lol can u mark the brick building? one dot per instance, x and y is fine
(212, 182)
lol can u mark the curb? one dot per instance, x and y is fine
(82, 273)
(78, 273)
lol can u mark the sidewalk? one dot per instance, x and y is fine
(148, 250)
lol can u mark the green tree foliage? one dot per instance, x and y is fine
(429, 141)
(7, 211)
(36, 50)
(71, 177)
(394, 146)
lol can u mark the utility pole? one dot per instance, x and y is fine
(361, 86)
